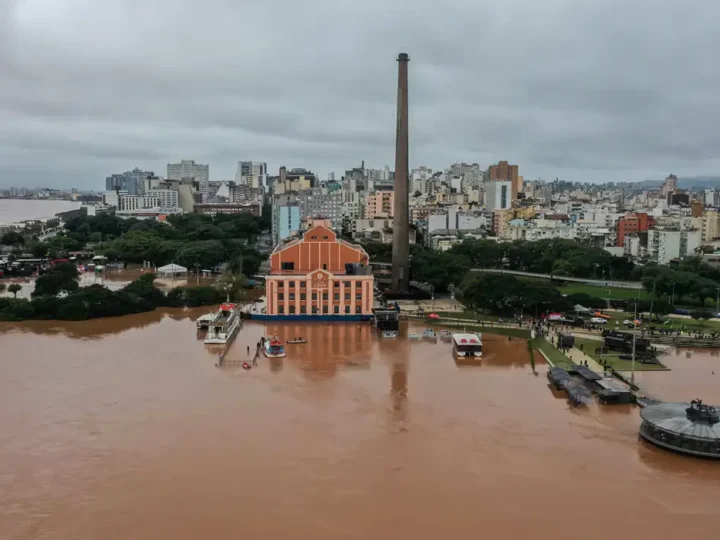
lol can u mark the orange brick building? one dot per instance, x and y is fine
(319, 276)
(631, 224)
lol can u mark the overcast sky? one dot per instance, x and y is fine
(589, 90)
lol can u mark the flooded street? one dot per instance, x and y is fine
(125, 428)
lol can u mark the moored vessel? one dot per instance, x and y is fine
(273, 348)
(224, 325)
(467, 345)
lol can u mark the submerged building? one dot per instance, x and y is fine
(319, 276)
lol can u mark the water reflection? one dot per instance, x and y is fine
(100, 328)
(109, 438)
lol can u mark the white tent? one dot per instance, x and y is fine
(581, 309)
(172, 270)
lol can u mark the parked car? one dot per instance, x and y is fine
(598, 320)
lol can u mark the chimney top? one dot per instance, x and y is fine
(403, 57)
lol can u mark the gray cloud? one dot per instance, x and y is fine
(583, 90)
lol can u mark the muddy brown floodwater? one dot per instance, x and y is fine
(125, 428)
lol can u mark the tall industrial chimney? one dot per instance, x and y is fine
(401, 247)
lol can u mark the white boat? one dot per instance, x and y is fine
(273, 348)
(414, 336)
(224, 325)
(446, 335)
(429, 334)
(467, 345)
(389, 334)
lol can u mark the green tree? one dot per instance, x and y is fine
(12, 238)
(438, 269)
(14, 288)
(2, 287)
(61, 278)
(234, 286)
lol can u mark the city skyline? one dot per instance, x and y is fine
(561, 99)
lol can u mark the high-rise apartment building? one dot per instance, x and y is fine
(470, 173)
(710, 226)
(135, 182)
(379, 204)
(198, 173)
(504, 171)
(670, 185)
(498, 195)
(252, 173)
(632, 224)
(664, 245)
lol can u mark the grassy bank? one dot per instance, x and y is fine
(613, 357)
(555, 356)
(604, 292)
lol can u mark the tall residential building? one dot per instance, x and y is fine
(452, 219)
(712, 197)
(632, 224)
(319, 276)
(379, 204)
(664, 245)
(498, 195)
(288, 221)
(135, 182)
(286, 216)
(187, 168)
(505, 171)
(710, 226)
(471, 174)
(670, 185)
(304, 205)
(252, 173)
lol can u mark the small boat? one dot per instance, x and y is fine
(224, 325)
(389, 334)
(429, 334)
(273, 348)
(414, 336)
(296, 341)
(445, 335)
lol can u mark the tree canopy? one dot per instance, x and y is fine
(97, 301)
(192, 240)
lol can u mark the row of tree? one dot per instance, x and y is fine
(691, 279)
(56, 298)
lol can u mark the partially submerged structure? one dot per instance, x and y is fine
(692, 428)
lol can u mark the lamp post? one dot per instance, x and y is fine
(652, 301)
(672, 297)
(632, 367)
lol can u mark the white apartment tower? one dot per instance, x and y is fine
(187, 168)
